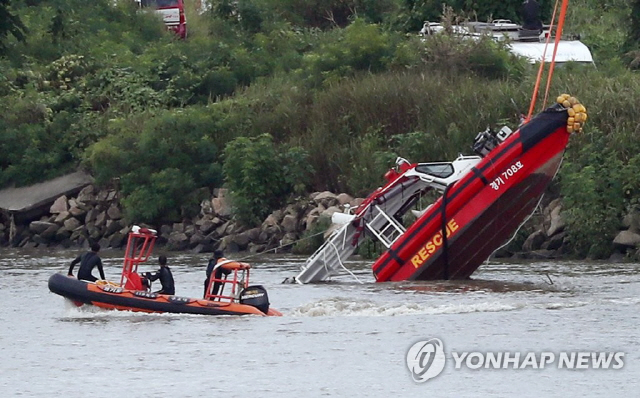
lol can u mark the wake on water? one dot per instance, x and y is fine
(341, 306)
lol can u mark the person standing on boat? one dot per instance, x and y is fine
(88, 261)
(531, 15)
(218, 257)
(165, 276)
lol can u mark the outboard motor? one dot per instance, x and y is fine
(486, 140)
(255, 296)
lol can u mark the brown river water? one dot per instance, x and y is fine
(341, 338)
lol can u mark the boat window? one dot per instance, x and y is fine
(440, 170)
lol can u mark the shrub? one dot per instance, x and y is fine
(260, 176)
(593, 200)
(254, 176)
(312, 238)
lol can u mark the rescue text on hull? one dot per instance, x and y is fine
(484, 199)
(130, 295)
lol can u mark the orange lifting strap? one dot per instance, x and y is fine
(558, 36)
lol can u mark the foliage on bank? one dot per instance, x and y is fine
(275, 98)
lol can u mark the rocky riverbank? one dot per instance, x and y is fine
(96, 216)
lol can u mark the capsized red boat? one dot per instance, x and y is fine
(131, 295)
(483, 200)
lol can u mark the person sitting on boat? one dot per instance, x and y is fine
(218, 257)
(88, 261)
(165, 276)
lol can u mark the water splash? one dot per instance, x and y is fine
(340, 306)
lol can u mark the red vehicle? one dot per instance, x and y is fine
(172, 12)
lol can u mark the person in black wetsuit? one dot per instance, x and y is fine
(88, 261)
(165, 276)
(217, 256)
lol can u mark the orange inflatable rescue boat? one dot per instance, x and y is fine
(130, 295)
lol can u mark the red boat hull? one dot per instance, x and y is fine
(483, 209)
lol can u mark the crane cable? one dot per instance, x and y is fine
(558, 36)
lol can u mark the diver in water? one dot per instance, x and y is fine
(88, 261)
(165, 276)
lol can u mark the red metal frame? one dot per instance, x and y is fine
(240, 281)
(139, 247)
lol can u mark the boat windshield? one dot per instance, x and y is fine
(440, 170)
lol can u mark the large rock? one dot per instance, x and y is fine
(196, 239)
(556, 223)
(253, 234)
(77, 211)
(241, 240)
(329, 211)
(627, 239)
(116, 240)
(87, 195)
(223, 229)
(293, 209)
(178, 227)
(206, 226)
(555, 242)
(221, 206)
(632, 221)
(205, 247)
(94, 232)
(178, 241)
(62, 217)
(288, 239)
(102, 197)
(71, 224)
(101, 219)
(62, 234)
(91, 216)
(271, 224)
(39, 227)
(290, 223)
(228, 245)
(257, 247)
(50, 233)
(534, 241)
(344, 199)
(112, 195)
(114, 212)
(190, 229)
(310, 221)
(113, 226)
(356, 203)
(79, 235)
(165, 230)
(205, 207)
(327, 199)
(59, 205)
(125, 230)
